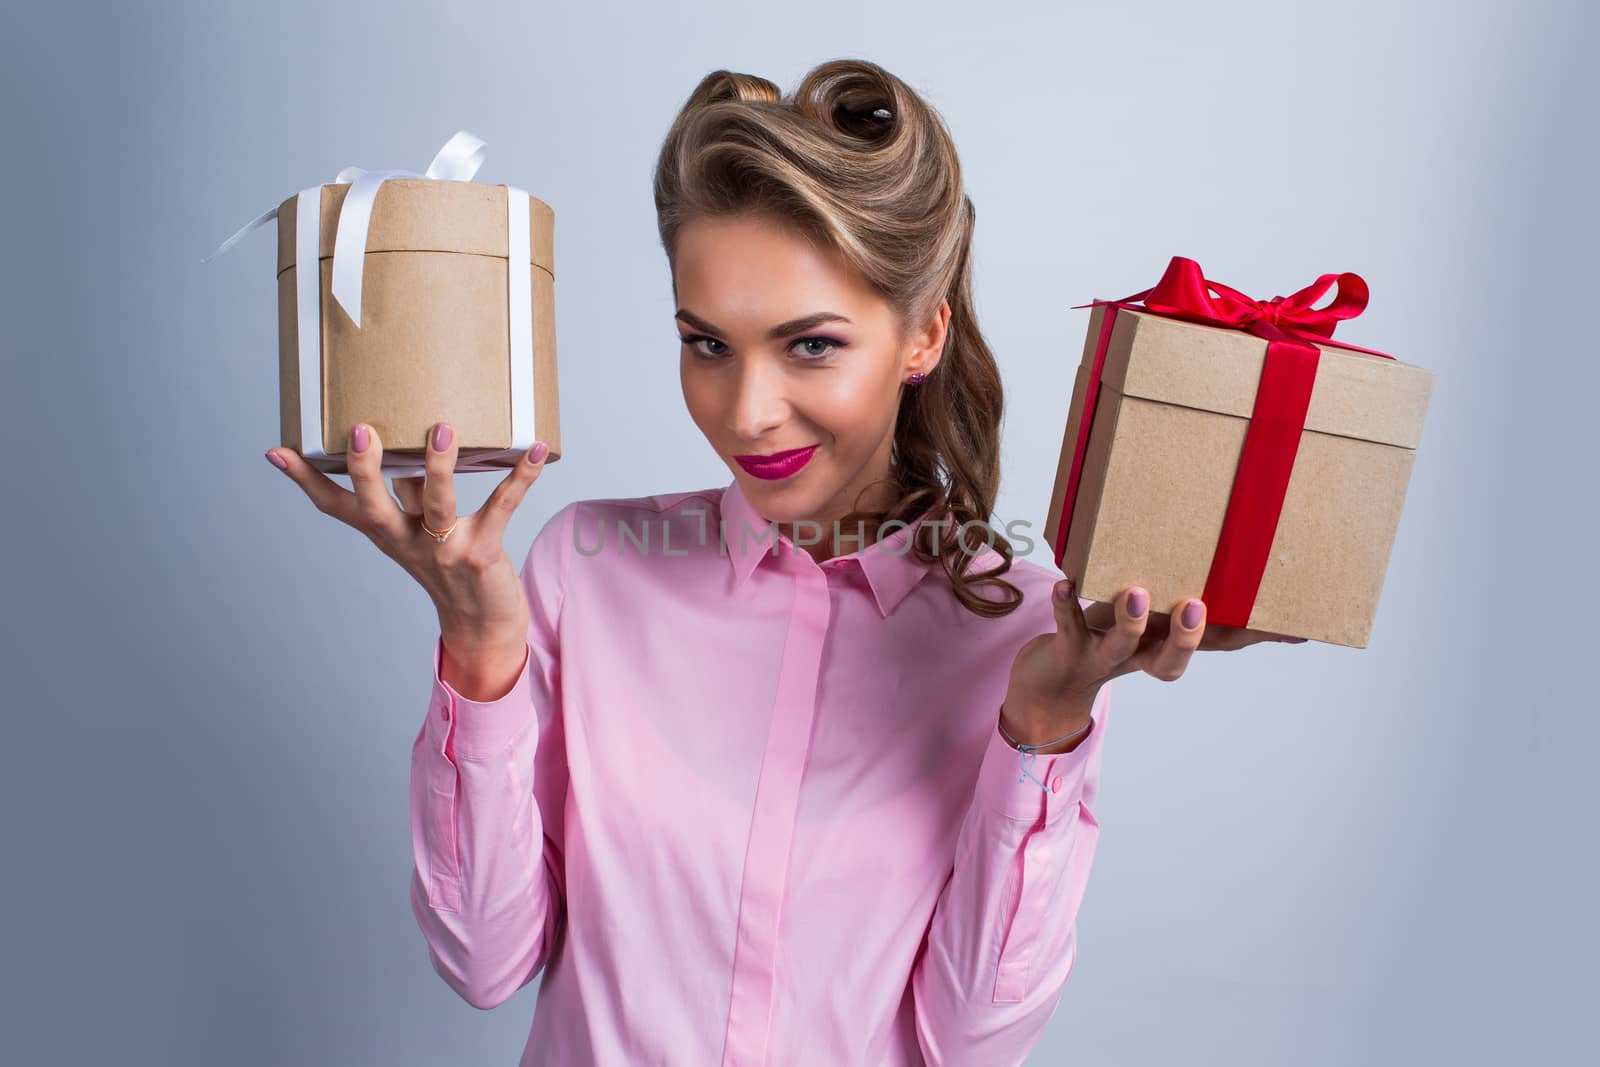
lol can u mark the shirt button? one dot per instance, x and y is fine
(1055, 784)
(444, 712)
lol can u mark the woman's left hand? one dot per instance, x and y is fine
(1055, 676)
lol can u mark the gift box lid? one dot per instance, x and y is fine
(1211, 368)
(428, 215)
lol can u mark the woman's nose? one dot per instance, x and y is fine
(759, 403)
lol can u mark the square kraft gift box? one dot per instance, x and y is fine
(405, 299)
(1291, 535)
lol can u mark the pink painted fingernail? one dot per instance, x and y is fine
(1138, 600)
(360, 435)
(1191, 615)
(275, 459)
(441, 435)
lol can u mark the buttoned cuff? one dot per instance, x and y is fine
(476, 727)
(1028, 785)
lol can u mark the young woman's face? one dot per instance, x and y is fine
(785, 348)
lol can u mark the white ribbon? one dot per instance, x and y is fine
(458, 160)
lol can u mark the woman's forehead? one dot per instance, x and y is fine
(743, 275)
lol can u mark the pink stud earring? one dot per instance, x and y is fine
(917, 377)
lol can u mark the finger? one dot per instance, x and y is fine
(329, 496)
(1121, 642)
(1069, 613)
(497, 510)
(1171, 657)
(376, 510)
(439, 487)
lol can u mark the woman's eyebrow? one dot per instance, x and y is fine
(778, 332)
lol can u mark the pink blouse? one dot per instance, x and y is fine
(744, 809)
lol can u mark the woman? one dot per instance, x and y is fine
(768, 773)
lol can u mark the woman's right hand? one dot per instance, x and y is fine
(483, 611)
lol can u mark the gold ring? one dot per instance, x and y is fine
(439, 537)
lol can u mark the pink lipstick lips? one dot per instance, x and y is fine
(777, 465)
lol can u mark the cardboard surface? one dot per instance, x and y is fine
(1165, 439)
(434, 343)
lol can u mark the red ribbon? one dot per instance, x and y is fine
(1293, 329)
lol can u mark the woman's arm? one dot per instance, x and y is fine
(488, 788)
(1002, 940)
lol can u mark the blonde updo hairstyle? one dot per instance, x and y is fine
(856, 161)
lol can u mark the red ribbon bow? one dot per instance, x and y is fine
(1184, 292)
(1293, 329)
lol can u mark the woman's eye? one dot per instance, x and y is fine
(812, 354)
(696, 339)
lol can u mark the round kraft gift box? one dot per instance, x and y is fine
(434, 342)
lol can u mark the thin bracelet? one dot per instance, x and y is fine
(1031, 752)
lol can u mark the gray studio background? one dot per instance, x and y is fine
(1310, 855)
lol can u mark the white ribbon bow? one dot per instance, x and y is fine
(458, 160)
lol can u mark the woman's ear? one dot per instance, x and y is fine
(928, 345)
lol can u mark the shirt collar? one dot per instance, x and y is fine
(892, 569)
